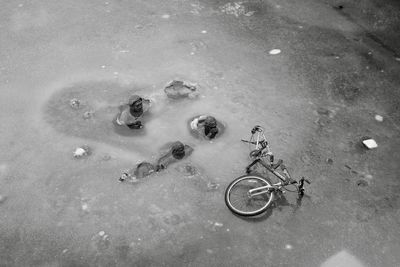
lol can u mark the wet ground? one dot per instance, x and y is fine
(317, 99)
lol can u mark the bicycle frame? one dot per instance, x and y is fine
(279, 185)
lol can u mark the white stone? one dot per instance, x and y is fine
(203, 31)
(275, 52)
(379, 118)
(288, 246)
(370, 143)
(101, 233)
(165, 16)
(79, 152)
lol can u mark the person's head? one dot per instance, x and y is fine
(210, 122)
(136, 103)
(178, 150)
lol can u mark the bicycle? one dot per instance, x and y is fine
(252, 194)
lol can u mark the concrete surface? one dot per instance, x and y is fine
(338, 68)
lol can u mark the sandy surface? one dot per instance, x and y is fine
(337, 69)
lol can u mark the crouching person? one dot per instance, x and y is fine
(176, 151)
(205, 126)
(131, 114)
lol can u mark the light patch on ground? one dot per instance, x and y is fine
(22, 20)
(342, 258)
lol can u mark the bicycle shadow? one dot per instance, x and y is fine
(279, 203)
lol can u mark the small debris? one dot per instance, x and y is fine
(203, 32)
(139, 26)
(362, 183)
(165, 16)
(370, 143)
(81, 151)
(217, 224)
(378, 118)
(74, 103)
(329, 161)
(64, 251)
(103, 66)
(85, 207)
(397, 58)
(210, 251)
(102, 233)
(274, 51)
(212, 186)
(88, 114)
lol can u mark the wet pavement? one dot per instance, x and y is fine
(318, 97)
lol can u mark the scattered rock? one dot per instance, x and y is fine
(274, 52)
(370, 143)
(85, 207)
(75, 103)
(82, 151)
(179, 89)
(378, 118)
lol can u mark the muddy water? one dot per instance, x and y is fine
(57, 207)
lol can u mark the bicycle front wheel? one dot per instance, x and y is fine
(239, 201)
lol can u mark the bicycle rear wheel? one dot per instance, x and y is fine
(238, 200)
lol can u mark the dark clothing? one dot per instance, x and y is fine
(177, 152)
(210, 132)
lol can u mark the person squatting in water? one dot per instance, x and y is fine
(176, 152)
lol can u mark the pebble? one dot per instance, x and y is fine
(378, 118)
(74, 103)
(80, 152)
(288, 246)
(218, 224)
(274, 51)
(85, 206)
(101, 233)
(370, 143)
(203, 31)
(165, 16)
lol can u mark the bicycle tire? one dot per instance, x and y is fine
(248, 181)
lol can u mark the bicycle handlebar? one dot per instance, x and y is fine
(251, 142)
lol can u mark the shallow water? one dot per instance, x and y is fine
(101, 52)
